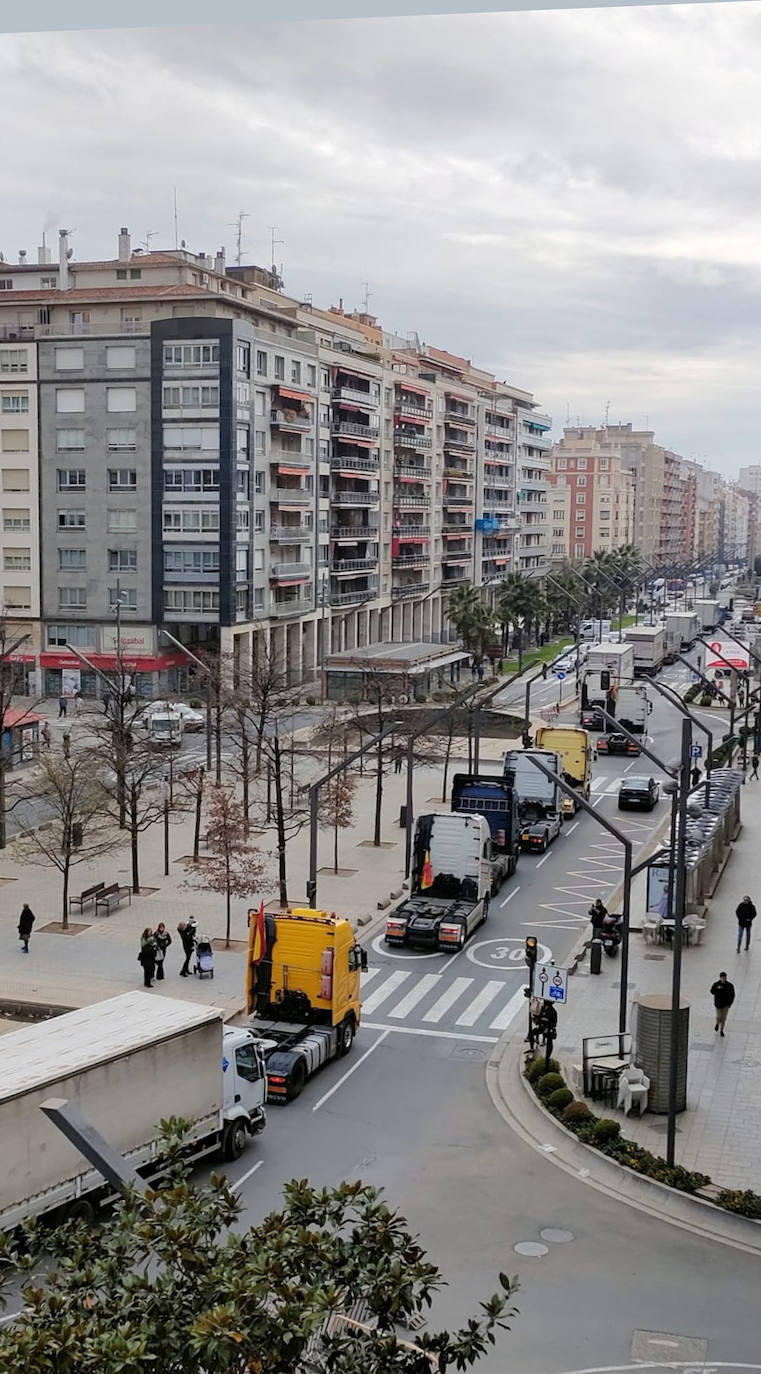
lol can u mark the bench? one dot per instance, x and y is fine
(89, 895)
(112, 897)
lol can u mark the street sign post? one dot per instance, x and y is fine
(560, 675)
(551, 984)
(696, 751)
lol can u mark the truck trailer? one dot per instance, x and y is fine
(302, 993)
(537, 796)
(608, 666)
(571, 744)
(126, 1063)
(490, 797)
(682, 629)
(632, 707)
(450, 883)
(649, 645)
(708, 614)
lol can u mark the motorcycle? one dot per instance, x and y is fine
(606, 927)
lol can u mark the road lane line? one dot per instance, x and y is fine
(434, 1034)
(510, 895)
(367, 975)
(450, 995)
(598, 799)
(509, 1011)
(569, 829)
(350, 1071)
(385, 990)
(480, 1003)
(240, 1181)
(415, 995)
(544, 860)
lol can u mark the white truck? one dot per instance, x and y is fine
(608, 665)
(649, 644)
(682, 628)
(127, 1063)
(450, 883)
(708, 614)
(594, 629)
(633, 707)
(165, 729)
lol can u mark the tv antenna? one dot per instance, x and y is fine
(238, 227)
(149, 234)
(368, 294)
(275, 243)
(607, 412)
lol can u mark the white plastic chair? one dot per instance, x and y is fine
(650, 927)
(633, 1086)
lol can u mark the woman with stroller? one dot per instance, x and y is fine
(187, 933)
(162, 940)
(147, 956)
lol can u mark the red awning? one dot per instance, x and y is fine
(292, 472)
(292, 581)
(352, 405)
(467, 400)
(416, 390)
(13, 719)
(413, 479)
(354, 439)
(414, 538)
(294, 395)
(142, 663)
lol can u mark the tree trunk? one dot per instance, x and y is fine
(280, 823)
(3, 822)
(245, 758)
(227, 901)
(447, 756)
(335, 843)
(218, 739)
(120, 760)
(65, 899)
(197, 830)
(134, 841)
(378, 795)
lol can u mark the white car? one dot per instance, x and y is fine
(192, 720)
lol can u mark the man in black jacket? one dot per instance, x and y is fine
(723, 994)
(746, 915)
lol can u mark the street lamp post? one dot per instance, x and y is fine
(668, 695)
(165, 786)
(205, 670)
(683, 786)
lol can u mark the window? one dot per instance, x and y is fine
(243, 359)
(259, 482)
(191, 355)
(72, 598)
(15, 479)
(191, 560)
(122, 521)
(258, 560)
(192, 397)
(581, 481)
(13, 360)
(261, 363)
(61, 635)
(14, 520)
(242, 523)
(260, 441)
(603, 464)
(581, 464)
(196, 599)
(71, 520)
(71, 479)
(70, 400)
(311, 374)
(15, 403)
(69, 359)
(72, 560)
(241, 562)
(122, 479)
(70, 440)
(191, 521)
(258, 518)
(279, 368)
(121, 440)
(121, 274)
(261, 403)
(121, 398)
(49, 282)
(581, 497)
(17, 598)
(241, 442)
(258, 598)
(15, 440)
(6, 283)
(243, 395)
(295, 371)
(122, 560)
(121, 357)
(192, 437)
(324, 377)
(191, 479)
(135, 273)
(560, 463)
(17, 560)
(243, 482)
(324, 415)
(126, 595)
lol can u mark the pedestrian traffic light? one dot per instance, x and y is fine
(605, 680)
(531, 949)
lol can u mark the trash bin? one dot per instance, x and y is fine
(402, 817)
(595, 956)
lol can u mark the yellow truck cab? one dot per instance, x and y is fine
(302, 992)
(572, 744)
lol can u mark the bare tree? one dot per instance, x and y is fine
(145, 777)
(77, 828)
(337, 807)
(369, 717)
(118, 726)
(12, 636)
(233, 867)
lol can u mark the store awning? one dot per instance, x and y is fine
(302, 396)
(416, 390)
(292, 472)
(355, 439)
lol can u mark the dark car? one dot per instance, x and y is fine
(617, 744)
(639, 794)
(592, 719)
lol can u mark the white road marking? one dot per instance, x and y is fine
(447, 998)
(629, 765)
(435, 1034)
(598, 782)
(352, 1070)
(385, 990)
(598, 799)
(479, 1004)
(544, 860)
(415, 995)
(509, 1011)
(367, 975)
(240, 1181)
(510, 896)
(569, 829)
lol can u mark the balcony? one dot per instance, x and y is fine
(349, 429)
(454, 527)
(458, 498)
(355, 533)
(280, 570)
(454, 575)
(355, 498)
(348, 464)
(291, 420)
(346, 567)
(291, 534)
(289, 458)
(412, 532)
(354, 395)
(503, 433)
(291, 496)
(411, 560)
(411, 502)
(295, 605)
(355, 594)
(459, 474)
(423, 414)
(453, 416)
(460, 439)
(416, 441)
(421, 473)
(409, 589)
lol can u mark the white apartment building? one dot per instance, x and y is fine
(19, 501)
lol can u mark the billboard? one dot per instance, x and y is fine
(725, 651)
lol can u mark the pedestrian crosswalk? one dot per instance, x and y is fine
(433, 998)
(605, 787)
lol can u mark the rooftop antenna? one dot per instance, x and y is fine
(275, 243)
(568, 415)
(238, 227)
(368, 294)
(149, 234)
(176, 227)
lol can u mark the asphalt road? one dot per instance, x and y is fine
(610, 1287)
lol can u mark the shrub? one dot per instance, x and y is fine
(548, 1083)
(745, 1202)
(311, 701)
(560, 1099)
(606, 1130)
(537, 1068)
(691, 693)
(706, 700)
(577, 1112)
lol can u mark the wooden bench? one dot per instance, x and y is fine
(112, 897)
(89, 895)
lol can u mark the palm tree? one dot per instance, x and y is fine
(471, 617)
(520, 603)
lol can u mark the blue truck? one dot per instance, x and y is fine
(492, 798)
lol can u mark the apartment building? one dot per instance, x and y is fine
(591, 494)
(241, 468)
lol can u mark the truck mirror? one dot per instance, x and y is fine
(363, 960)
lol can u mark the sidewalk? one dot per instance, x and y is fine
(719, 1132)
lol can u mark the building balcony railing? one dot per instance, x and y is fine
(355, 498)
(280, 570)
(351, 430)
(355, 393)
(456, 556)
(459, 474)
(407, 408)
(412, 531)
(458, 498)
(453, 416)
(411, 560)
(421, 472)
(358, 532)
(291, 496)
(403, 502)
(291, 534)
(290, 458)
(291, 419)
(348, 464)
(409, 589)
(461, 527)
(355, 594)
(504, 433)
(454, 575)
(295, 605)
(416, 441)
(343, 566)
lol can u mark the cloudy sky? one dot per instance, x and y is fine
(572, 199)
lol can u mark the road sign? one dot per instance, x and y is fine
(550, 983)
(696, 751)
(560, 675)
(695, 677)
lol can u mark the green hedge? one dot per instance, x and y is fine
(691, 693)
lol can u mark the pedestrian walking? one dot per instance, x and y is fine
(67, 744)
(695, 776)
(46, 736)
(480, 671)
(106, 702)
(754, 766)
(723, 994)
(25, 923)
(544, 670)
(77, 703)
(147, 956)
(746, 915)
(398, 758)
(162, 940)
(187, 933)
(63, 706)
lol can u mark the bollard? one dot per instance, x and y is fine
(595, 956)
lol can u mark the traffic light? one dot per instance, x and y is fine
(605, 680)
(531, 950)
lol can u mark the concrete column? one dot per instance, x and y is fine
(293, 654)
(396, 623)
(417, 620)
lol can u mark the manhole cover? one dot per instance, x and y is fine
(532, 1248)
(467, 1052)
(555, 1236)
(663, 1346)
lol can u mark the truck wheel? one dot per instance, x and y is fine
(486, 907)
(296, 1080)
(234, 1140)
(345, 1036)
(80, 1210)
(544, 842)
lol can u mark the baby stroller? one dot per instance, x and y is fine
(204, 957)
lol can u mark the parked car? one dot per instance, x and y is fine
(192, 720)
(617, 744)
(639, 794)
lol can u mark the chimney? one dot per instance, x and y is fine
(22, 257)
(125, 245)
(219, 262)
(63, 259)
(43, 253)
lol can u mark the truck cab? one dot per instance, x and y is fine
(490, 797)
(572, 746)
(244, 1087)
(165, 729)
(451, 883)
